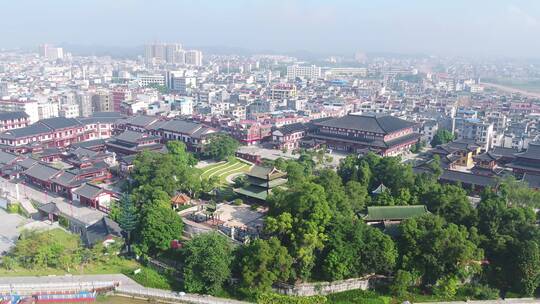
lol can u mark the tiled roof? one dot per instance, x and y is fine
(31, 130)
(468, 178)
(41, 172)
(88, 191)
(59, 122)
(12, 115)
(368, 123)
(532, 152)
(383, 213)
(7, 158)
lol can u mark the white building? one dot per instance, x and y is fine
(50, 52)
(475, 129)
(48, 110)
(307, 72)
(194, 57)
(30, 107)
(184, 106)
(69, 110)
(145, 80)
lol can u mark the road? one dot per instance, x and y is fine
(511, 89)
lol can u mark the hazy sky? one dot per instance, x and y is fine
(467, 27)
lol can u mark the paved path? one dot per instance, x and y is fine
(127, 287)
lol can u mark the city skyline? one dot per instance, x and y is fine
(481, 28)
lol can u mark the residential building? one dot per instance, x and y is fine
(194, 57)
(307, 72)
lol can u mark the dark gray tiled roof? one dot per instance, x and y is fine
(507, 152)
(41, 172)
(49, 208)
(141, 121)
(90, 143)
(31, 130)
(292, 128)
(12, 115)
(7, 158)
(27, 163)
(181, 126)
(88, 191)
(133, 136)
(101, 229)
(368, 123)
(59, 122)
(66, 179)
(532, 152)
(468, 178)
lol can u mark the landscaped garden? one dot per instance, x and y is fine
(224, 169)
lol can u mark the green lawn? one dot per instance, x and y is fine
(224, 169)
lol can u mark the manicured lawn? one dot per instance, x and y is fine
(223, 169)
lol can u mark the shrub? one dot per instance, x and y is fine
(238, 202)
(148, 277)
(402, 281)
(274, 298)
(63, 221)
(479, 292)
(446, 287)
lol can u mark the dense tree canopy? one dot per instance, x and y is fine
(220, 146)
(207, 263)
(263, 263)
(435, 249)
(442, 136)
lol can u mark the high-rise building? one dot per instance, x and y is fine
(118, 95)
(307, 72)
(50, 52)
(101, 101)
(170, 51)
(161, 52)
(180, 57)
(194, 57)
(84, 100)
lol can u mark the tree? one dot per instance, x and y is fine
(442, 136)
(262, 263)
(402, 281)
(433, 248)
(358, 195)
(527, 267)
(207, 263)
(450, 202)
(220, 146)
(355, 249)
(160, 225)
(300, 226)
(127, 218)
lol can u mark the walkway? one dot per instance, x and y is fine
(126, 287)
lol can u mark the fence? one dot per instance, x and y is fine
(323, 288)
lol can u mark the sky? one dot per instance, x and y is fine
(435, 27)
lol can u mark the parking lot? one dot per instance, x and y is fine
(9, 231)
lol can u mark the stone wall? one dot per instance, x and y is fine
(323, 288)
